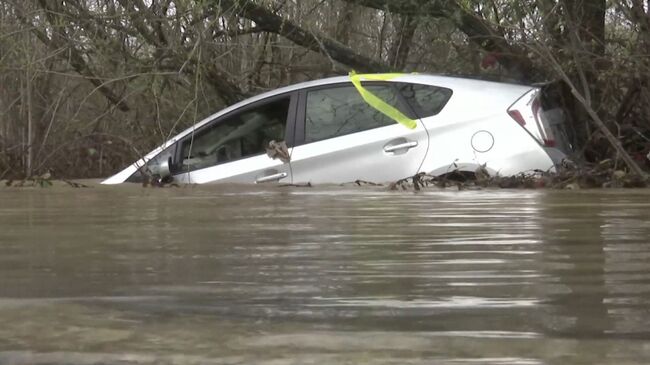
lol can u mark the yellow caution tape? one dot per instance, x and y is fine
(376, 102)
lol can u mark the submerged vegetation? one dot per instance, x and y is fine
(90, 85)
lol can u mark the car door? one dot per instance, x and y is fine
(233, 147)
(341, 138)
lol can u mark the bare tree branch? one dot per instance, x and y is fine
(73, 56)
(477, 29)
(276, 24)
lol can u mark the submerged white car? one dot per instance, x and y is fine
(335, 135)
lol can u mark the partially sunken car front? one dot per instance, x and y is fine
(363, 127)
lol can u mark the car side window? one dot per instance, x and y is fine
(241, 135)
(427, 100)
(340, 110)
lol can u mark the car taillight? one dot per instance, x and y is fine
(516, 115)
(527, 112)
(549, 143)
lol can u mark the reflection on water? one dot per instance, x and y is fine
(334, 275)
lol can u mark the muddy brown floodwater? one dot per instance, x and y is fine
(324, 275)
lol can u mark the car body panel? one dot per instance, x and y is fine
(247, 170)
(477, 111)
(361, 156)
(378, 154)
(252, 169)
(482, 107)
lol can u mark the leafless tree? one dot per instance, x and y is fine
(86, 85)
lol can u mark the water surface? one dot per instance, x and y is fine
(325, 275)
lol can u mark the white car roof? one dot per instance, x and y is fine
(451, 82)
(418, 78)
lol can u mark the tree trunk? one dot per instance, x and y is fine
(477, 29)
(344, 24)
(29, 139)
(585, 42)
(401, 46)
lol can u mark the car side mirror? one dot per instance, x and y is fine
(163, 169)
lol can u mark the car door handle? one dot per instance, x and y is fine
(400, 146)
(273, 177)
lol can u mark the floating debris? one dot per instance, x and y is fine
(602, 175)
(278, 150)
(43, 181)
(303, 185)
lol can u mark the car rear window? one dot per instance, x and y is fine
(426, 100)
